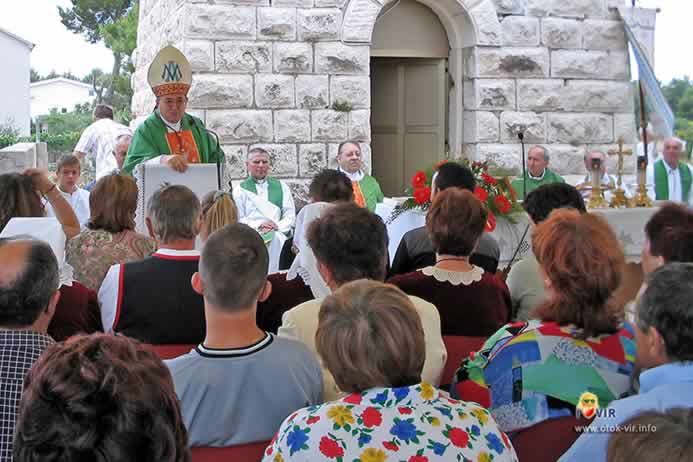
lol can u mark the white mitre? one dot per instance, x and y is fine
(170, 72)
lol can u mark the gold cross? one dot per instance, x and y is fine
(620, 152)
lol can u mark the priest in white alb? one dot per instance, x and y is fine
(264, 203)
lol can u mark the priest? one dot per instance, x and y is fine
(538, 172)
(671, 178)
(367, 191)
(264, 203)
(169, 136)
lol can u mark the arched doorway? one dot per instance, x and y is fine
(410, 85)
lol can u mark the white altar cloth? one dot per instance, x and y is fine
(628, 224)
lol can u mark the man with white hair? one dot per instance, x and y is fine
(671, 177)
(264, 203)
(538, 172)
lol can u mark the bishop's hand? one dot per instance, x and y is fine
(177, 162)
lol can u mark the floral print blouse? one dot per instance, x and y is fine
(92, 252)
(410, 424)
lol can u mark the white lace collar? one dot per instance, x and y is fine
(455, 277)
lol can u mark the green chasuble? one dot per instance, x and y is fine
(371, 191)
(662, 181)
(149, 141)
(532, 183)
(275, 194)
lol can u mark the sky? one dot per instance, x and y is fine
(61, 50)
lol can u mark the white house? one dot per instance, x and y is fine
(60, 93)
(14, 82)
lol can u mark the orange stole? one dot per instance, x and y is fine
(358, 194)
(183, 143)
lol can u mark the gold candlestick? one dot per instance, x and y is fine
(619, 199)
(641, 199)
(596, 200)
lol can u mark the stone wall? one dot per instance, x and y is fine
(21, 156)
(293, 76)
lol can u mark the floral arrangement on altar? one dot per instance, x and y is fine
(496, 193)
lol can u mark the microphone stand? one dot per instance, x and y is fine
(521, 136)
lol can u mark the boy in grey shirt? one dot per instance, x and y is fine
(241, 383)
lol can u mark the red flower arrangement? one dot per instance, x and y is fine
(495, 193)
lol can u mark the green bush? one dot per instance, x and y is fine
(7, 139)
(57, 142)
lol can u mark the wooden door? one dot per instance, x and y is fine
(408, 118)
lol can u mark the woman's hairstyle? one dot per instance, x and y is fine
(18, 198)
(218, 210)
(103, 398)
(331, 186)
(654, 435)
(670, 232)
(112, 203)
(583, 259)
(455, 222)
(370, 335)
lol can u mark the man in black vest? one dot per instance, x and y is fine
(152, 300)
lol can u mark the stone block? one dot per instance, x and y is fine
(579, 8)
(220, 21)
(360, 125)
(619, 65)
(480, 126)
(41, 155)
(329, 125)
(297, 3)
(312, 158)
(509, 6)
(328, 3)
(511, 62)
(624, 125)
(352, 90)
(561, 33)
(312, 91)
(505, 156)
(221, 91)
(539, 95)
(299, 190)
(598, 96)
(604, 35)
(252, 57)
(200, 53)
(360, 16)
(236, 155)
(293, 57)
(491, 94)
(580, 64)
(276, 23)
(337, 58)
(532, 124)
(274, 90)
(17, 158)
(538, 7)
(488, 29)
(575, 129)
(566, 159)
(319, 24)
(283, 159)
(241, 126)
(520, 31)
(292, 126)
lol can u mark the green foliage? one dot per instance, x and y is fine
(121, 35)
(75, 121)
(61, 142)
(85, 17)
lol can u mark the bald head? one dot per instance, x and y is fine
(28, 282)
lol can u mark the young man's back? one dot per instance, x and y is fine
(236, 396)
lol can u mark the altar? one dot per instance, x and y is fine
(514, 235)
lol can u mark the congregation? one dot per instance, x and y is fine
(343, 354)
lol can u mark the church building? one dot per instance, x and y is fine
(414, 81)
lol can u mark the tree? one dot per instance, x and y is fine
(679, 95)
(34, 76)
(93, 19)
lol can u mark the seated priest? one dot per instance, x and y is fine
(668, 178)
(264, 203)
(607, 182)
(170, 136)
(538, 172)
(367, 191)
